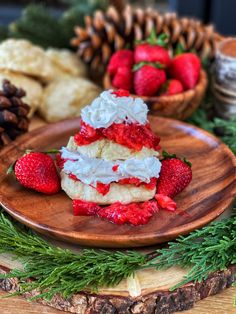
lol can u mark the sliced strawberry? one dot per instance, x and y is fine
(134, 213)
(102, 188)
(83, 208)
(134, 136)
(165, 202)
(87, 134)
(121, 93)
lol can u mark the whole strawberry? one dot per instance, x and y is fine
(121, 58)
(123, 78)
(151, 53)
(148, 80)
(153, 50)
(37, 171)
(175, 176)
(185, 68)
(171, 87)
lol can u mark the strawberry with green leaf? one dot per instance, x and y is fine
(148, 78)
(175, 176)
(153, 49)
(186, 68)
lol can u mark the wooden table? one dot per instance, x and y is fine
(219, 304)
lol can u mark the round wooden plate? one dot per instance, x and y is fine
(211, 191)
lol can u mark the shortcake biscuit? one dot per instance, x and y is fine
(22, 56)
(67, 61)
(125, 194)
(106, 149)
(65, 97)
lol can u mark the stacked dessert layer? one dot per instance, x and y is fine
(113, 158)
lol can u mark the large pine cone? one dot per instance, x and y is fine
(106, 32)
(13, 113)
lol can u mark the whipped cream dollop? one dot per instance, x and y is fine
(108, 109)
(92, 170)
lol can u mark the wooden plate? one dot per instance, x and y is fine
(211, 191)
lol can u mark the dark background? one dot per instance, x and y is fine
(219, 12)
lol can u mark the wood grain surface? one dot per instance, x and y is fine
(211, 191)
(146, 292)
(221, 303)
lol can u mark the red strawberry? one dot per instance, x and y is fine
(121, 58)
(134, 213)
(121, 93)
(151, 53)
(102, 188)
(37, 171)
(186, 68)
(135, 136)
(174, 177)
(148, 80)
(172, 87)
(83, 208)
(86, 135)
(123, 78)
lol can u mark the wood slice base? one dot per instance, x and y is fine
(147, 292)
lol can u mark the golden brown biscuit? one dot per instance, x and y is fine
(109, 150)
(67, 62)
(125, 194)
(65, 97)
(33, 89)
(22, 56)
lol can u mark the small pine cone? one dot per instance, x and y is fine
(13, 113)
(107, 32)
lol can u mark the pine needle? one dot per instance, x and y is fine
(58, 270)
(207, 250)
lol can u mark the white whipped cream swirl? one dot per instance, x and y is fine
(108, 109)
(92, 170)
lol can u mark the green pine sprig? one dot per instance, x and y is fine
(58, 270)
(225, 129)
(207, 250)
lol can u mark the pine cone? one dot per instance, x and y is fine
(13, 113)
(106, 32)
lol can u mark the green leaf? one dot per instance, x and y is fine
(10, 170)
(166, 155)
(139, 65)
(179, 49)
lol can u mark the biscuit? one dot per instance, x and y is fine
(125, 194)
(33, 89)
(67, 62)
(65, 97)
(106, 149)
(22, 56)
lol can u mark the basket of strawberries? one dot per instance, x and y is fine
(171, 86)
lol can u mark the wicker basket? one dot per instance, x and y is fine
(179, 106)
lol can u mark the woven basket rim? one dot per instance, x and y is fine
(187, 94)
